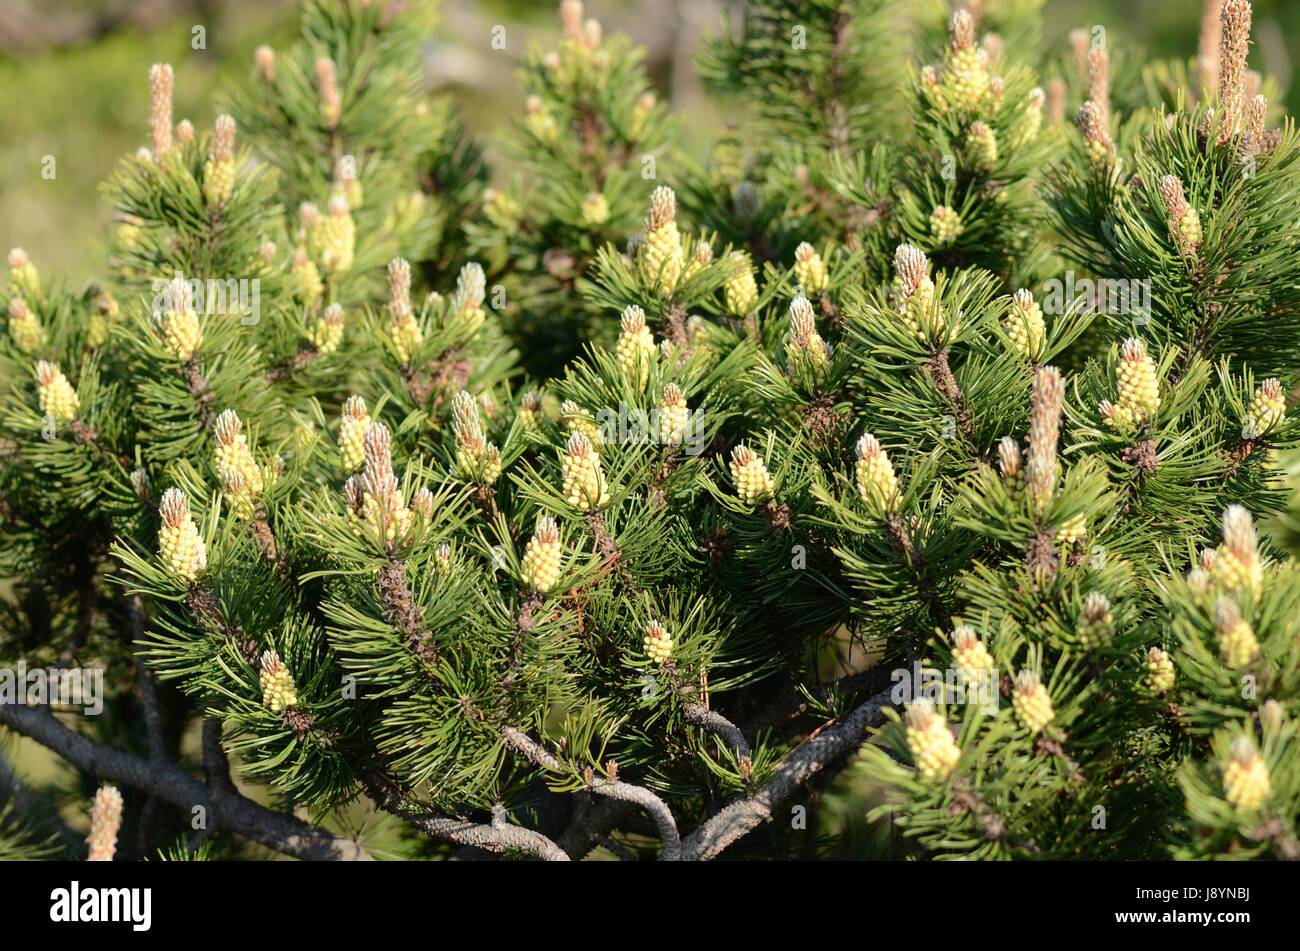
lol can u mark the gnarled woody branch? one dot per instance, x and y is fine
(701, 716)
(612, 788)
(277, 831)
(497, 837)
(742, 817)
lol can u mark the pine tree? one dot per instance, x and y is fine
(509, 572)
(592, 132)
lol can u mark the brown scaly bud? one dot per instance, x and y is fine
(160, 108)
(1080, 44)
(399, 288)
(962, 29)
(1256, 120)
(805, 342)
(353, 495)
(264, 56)
(185, 132)
(1096, 136)
(1207, 58)
(1184, 220)
(142, 486)
(993, 46)
(374, 497)
(1056, 101)
(1044, 431)
(331, 105)
(571, 19)
(223, 139)
(912, 290)
(105, 823)
(219, 170)
(1233, 50)
(1009, 460)
(1099, 80)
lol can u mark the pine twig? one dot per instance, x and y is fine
(496, 837)
(740, 818)
(614, 788)
(276, 831)
(701, 716)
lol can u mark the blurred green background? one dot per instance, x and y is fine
(72, 79)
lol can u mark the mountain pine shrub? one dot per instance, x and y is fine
(917, 439)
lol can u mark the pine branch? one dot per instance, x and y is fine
(497, 837)
(277, 831)
(148, 681)
(652, 804)
(591, 822)
(701, 716)
(614, 788)
(740, 818)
